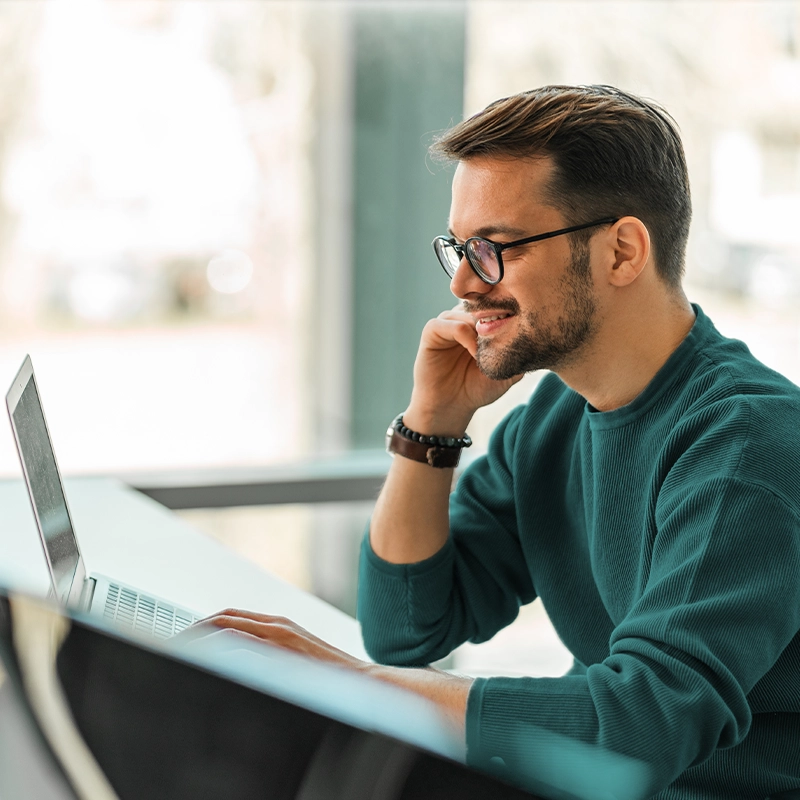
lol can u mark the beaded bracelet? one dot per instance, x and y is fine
(437, 451)
(441, 441)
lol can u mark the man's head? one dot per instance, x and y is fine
(544, 311)
(613, 155)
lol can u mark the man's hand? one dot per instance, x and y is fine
(448, 384)
(411, 520)
(448, 692)
(278, 631)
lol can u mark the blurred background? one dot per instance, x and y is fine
(215, 225)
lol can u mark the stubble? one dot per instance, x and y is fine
(543, 344)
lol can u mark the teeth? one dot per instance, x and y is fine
(492, 319)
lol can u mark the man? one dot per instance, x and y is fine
(649, 492)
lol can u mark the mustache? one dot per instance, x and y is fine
(504, 304)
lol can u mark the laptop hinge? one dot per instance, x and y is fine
(87, 594)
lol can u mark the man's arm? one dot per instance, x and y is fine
(410, 522)
(411, 518)
(448, 692)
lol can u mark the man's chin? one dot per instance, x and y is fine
(497, 367)
(501, 364)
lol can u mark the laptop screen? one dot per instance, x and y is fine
(44, 483)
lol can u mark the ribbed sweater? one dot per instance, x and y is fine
(663, 539)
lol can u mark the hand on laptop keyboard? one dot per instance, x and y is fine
(277, 631)
(448, 692)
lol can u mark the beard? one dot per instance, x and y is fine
(543, 345)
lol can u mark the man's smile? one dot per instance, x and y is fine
(490, 319)
(488, 323)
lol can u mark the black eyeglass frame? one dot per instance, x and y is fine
(464, 252)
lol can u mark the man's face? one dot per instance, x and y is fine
(543, 312)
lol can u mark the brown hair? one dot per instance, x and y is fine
(614, 155)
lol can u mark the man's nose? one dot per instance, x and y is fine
(466, 282)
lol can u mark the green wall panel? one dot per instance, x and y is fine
(409, 85)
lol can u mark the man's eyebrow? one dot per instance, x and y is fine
(488, 231)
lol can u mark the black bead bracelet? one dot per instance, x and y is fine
(439, 441)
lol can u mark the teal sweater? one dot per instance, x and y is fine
(664, 541)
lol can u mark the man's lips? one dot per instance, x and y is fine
(487, 323)
(492, 318)
(483, 317)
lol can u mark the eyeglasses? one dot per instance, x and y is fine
(485, 257)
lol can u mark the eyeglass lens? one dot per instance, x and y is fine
(483, 257)
(480, 254)
(448, 256)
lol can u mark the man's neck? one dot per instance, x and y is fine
(631, 345)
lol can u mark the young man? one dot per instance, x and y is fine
(649, 492)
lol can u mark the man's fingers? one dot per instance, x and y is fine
(244, 614)
(448, 330)
(457, 314)
(278, 630)
(265, 626)
(261, 626)
(467, 337)
(255, 627)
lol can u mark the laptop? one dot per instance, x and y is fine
(98, 595)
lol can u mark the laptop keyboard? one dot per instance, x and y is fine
(140, 613)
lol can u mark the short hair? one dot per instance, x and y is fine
(614, 154)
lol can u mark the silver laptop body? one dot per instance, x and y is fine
(95, 594)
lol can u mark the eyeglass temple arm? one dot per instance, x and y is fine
(539, 237)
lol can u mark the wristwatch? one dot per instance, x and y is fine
(442, 452)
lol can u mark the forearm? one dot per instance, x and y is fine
(410, 521)
(448, 692)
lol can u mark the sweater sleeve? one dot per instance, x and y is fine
(413, 614)
(721, 604)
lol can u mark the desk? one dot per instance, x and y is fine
(137, 541)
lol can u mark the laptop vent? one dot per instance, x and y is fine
(135, 612)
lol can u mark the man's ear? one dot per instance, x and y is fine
(628, 248)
